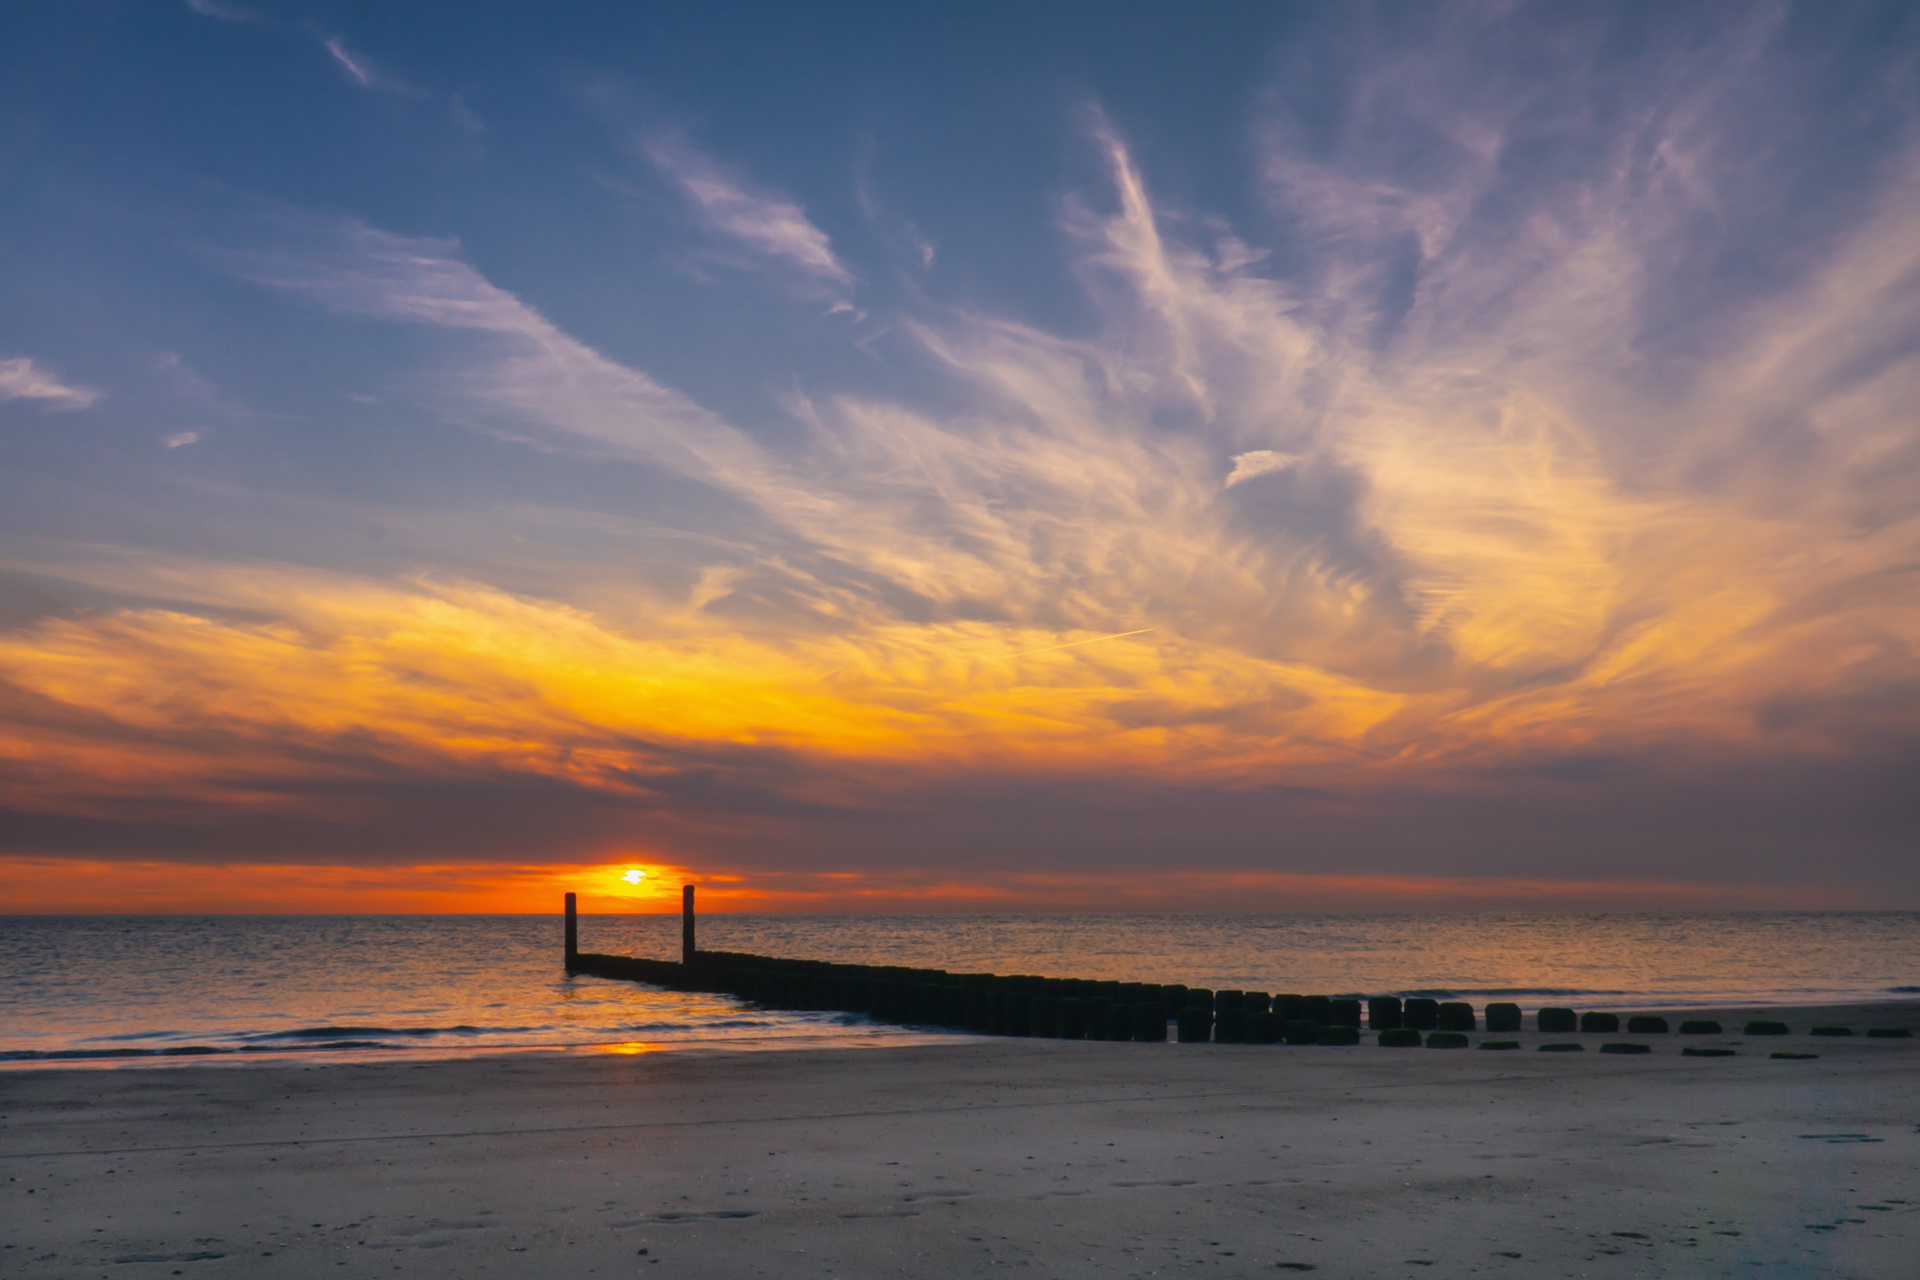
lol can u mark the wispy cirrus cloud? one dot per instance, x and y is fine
(360, 68)
(22, 379)
(1499, 494)
(767, 224)
(535, 372)
(363, 70)
(1483, 497)
(1437, 551)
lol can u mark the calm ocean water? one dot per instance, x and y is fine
(256, 988)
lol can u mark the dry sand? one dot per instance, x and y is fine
(982, 1158)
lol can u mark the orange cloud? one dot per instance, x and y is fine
(444, 677)
(354, 679)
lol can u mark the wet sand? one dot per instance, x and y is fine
(985, 1158)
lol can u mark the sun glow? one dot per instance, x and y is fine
(92, 886)
(627, 886)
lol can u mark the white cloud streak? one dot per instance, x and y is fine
(364, 71)
(1258, 462)
(22, 379)
(534, 371)
(771, 226)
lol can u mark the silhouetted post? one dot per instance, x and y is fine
(686, 924)
(573, 933)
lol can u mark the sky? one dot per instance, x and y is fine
(959, 456)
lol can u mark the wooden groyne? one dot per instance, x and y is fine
(987, 1003)
(1084, 1009)
(993, 1004)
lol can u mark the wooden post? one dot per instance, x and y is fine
(573, 934)
(686, 924)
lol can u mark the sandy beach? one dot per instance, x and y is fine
(985, 1157)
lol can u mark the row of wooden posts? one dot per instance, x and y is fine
(1077, 1009)
(1024, 1005)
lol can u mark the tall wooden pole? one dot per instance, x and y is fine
(573, 933)
(686, 924)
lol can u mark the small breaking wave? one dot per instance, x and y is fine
(93, 1055)
(367, 1033)
(170, 1051)
(1551, 992)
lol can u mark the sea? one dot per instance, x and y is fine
(157, 990)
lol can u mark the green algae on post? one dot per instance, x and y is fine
(1556, 1021)
(1503, 1016)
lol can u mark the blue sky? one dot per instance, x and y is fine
(1476, 441)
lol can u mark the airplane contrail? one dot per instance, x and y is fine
(1118, 635)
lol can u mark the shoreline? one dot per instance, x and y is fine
(1861, 1014)
(978, 1155)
